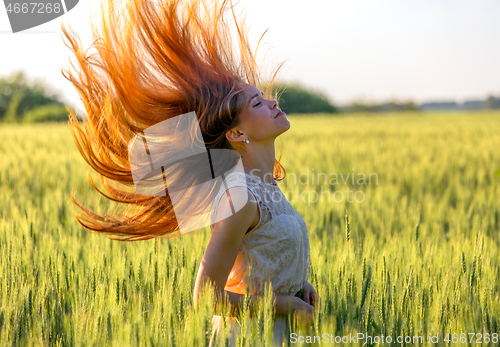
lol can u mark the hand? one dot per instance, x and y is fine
(311, 297)
(303, 314)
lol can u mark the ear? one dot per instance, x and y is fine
(234, 136)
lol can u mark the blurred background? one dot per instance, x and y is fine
(356, 56)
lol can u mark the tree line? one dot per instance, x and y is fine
(25, 101)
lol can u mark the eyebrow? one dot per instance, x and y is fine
(256, 95)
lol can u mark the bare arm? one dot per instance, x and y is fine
(222, 249)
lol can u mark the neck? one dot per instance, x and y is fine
(259, 161)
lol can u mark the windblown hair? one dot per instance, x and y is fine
(155, 62)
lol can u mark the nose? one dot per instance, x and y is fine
(274, 103)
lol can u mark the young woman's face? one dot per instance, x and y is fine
(262, 119)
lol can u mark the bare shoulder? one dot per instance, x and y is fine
(237, 212)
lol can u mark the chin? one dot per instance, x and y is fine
(285, 129)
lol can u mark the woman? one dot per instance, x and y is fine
(266, 234)
(158, 61)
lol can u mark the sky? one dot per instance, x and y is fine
(350, 50)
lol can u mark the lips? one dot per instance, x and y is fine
(279, 113)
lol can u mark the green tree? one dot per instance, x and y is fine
(362, 106)
(46, 113)
(390, 106)
(19, 96)
(293, 98)
(492, 103)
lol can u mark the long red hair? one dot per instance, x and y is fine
(154, 62)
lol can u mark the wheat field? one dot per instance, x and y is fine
(403, 217)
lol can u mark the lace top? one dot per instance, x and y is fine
(276, 249)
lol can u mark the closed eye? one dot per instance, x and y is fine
(257, 104)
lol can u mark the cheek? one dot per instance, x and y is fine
(264, 116)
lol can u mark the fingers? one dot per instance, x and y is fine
(304, 318)
(311, 316)
(306, 296)
(315, 300)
